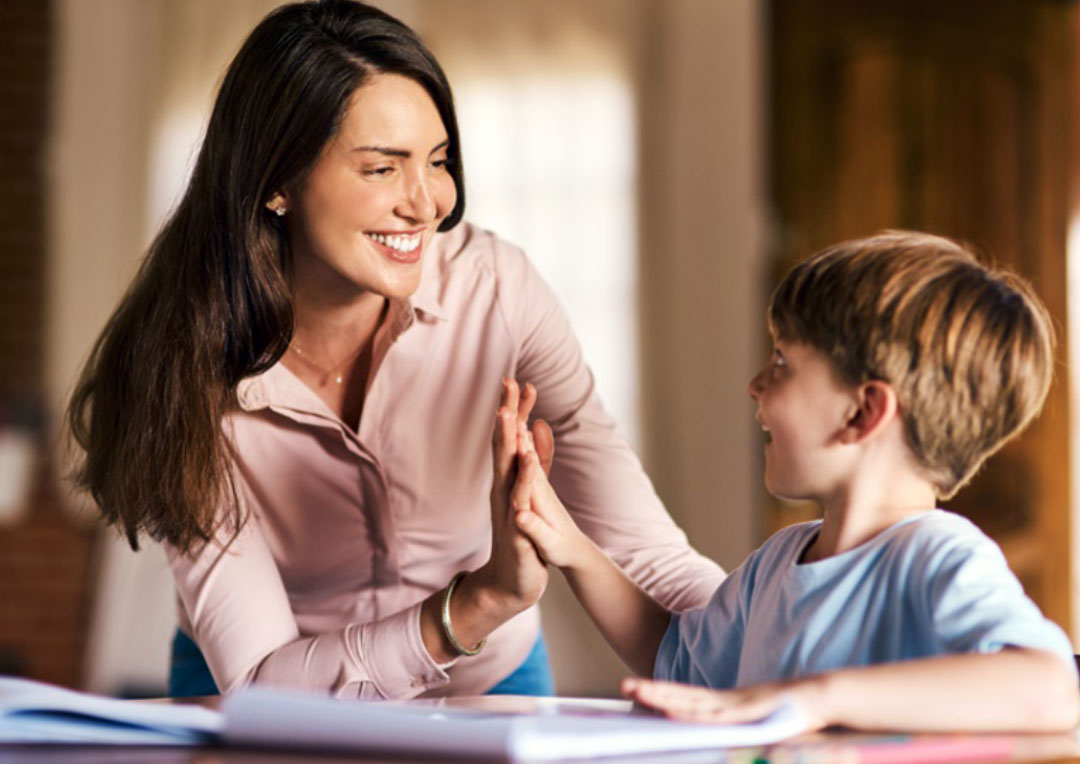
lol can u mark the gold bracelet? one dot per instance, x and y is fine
(448, 630)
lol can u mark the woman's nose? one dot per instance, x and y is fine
(419, 203)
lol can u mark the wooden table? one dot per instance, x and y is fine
(820, 748)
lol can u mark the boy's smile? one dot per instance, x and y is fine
(802, 409)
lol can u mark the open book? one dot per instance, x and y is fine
(34, 712)
(31, 712)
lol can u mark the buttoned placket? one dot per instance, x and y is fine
(376, 501)
(374, 498)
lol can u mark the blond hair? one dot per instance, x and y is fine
(967, 348)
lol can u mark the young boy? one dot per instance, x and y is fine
(900, 365)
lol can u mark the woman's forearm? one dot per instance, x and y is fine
(476, 610)
(1015, 690)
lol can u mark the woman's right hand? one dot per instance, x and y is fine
(514, 575)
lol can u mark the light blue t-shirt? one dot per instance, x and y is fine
(932, 584)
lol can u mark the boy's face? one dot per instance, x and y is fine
(803, 407)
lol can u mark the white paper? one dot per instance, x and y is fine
(272, 718)
(34, 712)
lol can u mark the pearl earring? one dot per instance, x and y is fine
(280, 210)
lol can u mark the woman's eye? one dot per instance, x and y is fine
(441, 164)
(378, 171)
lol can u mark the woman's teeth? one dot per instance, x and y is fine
(400, 243)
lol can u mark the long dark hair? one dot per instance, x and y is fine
(211, 303)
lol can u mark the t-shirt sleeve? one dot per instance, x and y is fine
(595, 473)
(703, 646)
(976, 604)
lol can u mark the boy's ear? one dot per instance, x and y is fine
(876, 407)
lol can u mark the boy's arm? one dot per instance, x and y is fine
(1014, 690)
(630, 620)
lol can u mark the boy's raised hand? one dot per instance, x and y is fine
(631, 621)
(539, 513)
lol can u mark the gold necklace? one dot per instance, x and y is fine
(327, 372)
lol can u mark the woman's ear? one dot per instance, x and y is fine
(876, 407)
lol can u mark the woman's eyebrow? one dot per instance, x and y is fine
(386, 150)
(403, 153)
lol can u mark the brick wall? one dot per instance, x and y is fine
(44, 566)
(45, 562)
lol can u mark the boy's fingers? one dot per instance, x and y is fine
(527, 401)
(504, 457)
(511, 393)
(545, 444)
(699, 704)
(537, 531)
(525, 440)
(522, 439)
(744, 712)
(530, 467)
(521, 493)
(668, 694)
(504, 443)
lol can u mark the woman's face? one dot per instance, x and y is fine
(360, 221)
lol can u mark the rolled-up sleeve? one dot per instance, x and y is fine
(596, 473)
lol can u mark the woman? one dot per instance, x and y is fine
(295, 394)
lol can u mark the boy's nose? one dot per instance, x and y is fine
(753, 389)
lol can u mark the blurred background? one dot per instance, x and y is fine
(662, 162)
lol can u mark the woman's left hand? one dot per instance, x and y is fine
(700, 704)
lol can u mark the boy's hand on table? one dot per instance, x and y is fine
(700, 704)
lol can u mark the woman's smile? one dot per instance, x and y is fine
(400, 246)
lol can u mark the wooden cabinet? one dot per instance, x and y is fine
(957, 118)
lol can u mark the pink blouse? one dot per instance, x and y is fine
(349, 531)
